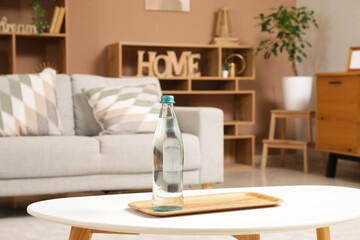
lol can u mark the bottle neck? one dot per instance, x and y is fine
(167, 110)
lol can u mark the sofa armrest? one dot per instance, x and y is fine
(208, 124)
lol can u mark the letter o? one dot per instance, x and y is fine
(167, 69)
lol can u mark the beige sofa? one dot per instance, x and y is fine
(84, 161)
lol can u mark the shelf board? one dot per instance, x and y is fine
(220, 92)
(232, 123)
(238, 47)
(246, 122)
(246, 78)
(230, 137)
(48, 35)
(208, 78)
(167, 45)
(236, 166)
(173, 78)
(174, 92)
(160, 78)
(218, 78)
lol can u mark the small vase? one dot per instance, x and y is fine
(225, 73)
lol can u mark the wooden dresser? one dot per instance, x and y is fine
(338, 116)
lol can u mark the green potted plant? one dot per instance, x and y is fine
(225, 70)
(286, 27)
(38, 16)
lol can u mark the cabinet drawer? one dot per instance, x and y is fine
(337, 89)
(337, 136)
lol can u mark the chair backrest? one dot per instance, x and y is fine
(85, 123)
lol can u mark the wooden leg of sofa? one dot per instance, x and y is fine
(207, 186)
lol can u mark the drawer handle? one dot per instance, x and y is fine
(335, 82)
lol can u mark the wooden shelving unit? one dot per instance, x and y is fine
(23, 52)
(238, 105)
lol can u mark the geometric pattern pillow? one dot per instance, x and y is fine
(28, 105)
(125, 109)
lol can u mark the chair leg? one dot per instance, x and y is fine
(283, 134)
(306, 158)
(272, 126)
(264, 156)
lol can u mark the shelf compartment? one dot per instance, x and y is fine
(247, 53)
(239, 152)
(230, 129)
(237, 107)
(44, 35)
(19, 12)
(174, 85)
(208, 64)
(213, 85)
(31, 52)
(244, 109)
(6, 56)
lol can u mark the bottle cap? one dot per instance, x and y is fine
(167, 99)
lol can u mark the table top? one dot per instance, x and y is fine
(303, 207)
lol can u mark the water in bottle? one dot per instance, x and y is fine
(168, 155)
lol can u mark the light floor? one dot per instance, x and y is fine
(17, 225)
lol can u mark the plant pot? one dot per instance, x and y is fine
(297, 92)
(225, 73)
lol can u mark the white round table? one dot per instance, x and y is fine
(304, 207)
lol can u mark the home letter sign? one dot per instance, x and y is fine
(194, 66)
(168, 65)
(142, 64)
(180, 67)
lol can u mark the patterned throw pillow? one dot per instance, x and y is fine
(28, 105)
(125, 109)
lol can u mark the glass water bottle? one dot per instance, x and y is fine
(168, 154)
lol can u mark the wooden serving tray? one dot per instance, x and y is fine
(212, 203)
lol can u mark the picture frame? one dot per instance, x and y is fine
(168, 5)
(353, 63)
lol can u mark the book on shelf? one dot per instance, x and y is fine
(226, 41)
(59, 20)
(54, 19)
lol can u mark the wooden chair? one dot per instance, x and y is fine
(284, 143)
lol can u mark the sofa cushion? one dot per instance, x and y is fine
(65, 103)
(134, 154)
(30, 157)
(125, 109)
(85, 122)
(28, 105)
